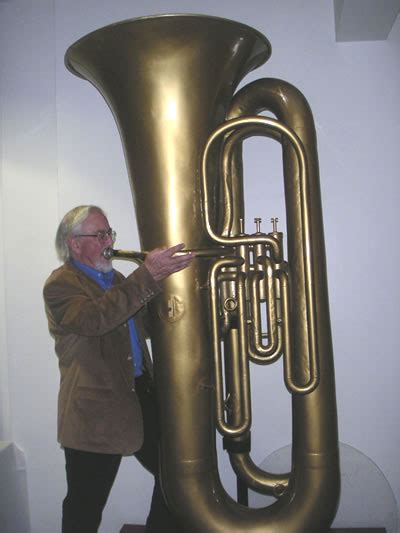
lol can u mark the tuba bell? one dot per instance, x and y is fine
(169, 81)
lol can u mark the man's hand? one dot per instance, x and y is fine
(161, 262)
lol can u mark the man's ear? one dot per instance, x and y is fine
(74, 245)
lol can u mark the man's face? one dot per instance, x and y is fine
(89, 250)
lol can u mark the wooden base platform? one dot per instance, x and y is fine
(359, 530)
(140, 529)
(132, 529)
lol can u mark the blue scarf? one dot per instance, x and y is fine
(105, 280)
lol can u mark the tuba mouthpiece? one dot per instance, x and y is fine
(108, 253)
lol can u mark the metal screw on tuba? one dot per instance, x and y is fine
(169, 82)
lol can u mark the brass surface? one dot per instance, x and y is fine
(169, 82)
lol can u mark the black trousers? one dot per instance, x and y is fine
(90, 477)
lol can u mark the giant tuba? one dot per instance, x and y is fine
(169, 81)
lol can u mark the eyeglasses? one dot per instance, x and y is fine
(102, 235)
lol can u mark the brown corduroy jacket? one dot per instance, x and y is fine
(98, 409)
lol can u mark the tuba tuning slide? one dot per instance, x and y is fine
(169, 81)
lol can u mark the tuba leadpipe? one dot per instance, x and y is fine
(135, 255)
(169, 82)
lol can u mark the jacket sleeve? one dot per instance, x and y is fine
(75, 309)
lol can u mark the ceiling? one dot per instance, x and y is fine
(358, 20)
(364, 20)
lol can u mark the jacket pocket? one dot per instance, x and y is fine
(93, 409)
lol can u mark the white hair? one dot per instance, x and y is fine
(70, 225)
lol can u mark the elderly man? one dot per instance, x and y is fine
(106, 408)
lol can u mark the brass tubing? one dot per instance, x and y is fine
(257, 479)
(206, 253)
(312, 433)
(226, 127)
(290, 106)
(287, 338)
(246, 470)
(232, 169)
(270, 353)
(243, 348)
(233, 376)
(259, 252)
(290, 381)
(243, 424)
(274, 125)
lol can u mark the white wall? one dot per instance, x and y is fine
(59, 148)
